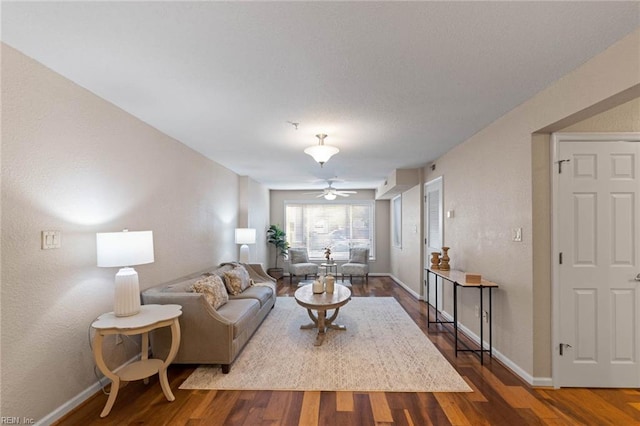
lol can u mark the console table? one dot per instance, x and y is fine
(149, 318)
(458, 280)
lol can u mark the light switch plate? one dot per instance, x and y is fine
(516, 234)
(50, 240)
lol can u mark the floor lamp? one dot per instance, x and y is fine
(125, 249)
(245, 236)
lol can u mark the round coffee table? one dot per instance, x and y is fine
(321, 303)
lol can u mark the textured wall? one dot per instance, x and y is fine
(488, 182)
(75, 163)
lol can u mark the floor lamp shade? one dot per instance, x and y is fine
(125, 249)
(245, 236)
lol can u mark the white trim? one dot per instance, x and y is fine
(79, 399)
(403, 285)
(515, 368)
(396, 221)
(556, 139)
(426, 260)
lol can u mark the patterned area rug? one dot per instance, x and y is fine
(381, 350)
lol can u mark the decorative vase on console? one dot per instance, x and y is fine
(435, 260)
(444, 262)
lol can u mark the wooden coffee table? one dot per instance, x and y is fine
(321, 303)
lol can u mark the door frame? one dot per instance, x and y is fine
(426, 256)
(556, 140)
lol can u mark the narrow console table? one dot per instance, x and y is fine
(458, 279)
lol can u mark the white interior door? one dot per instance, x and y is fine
(597, 235)
(433, 230)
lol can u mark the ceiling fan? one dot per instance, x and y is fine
(331, 193)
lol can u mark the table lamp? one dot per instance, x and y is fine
(245, 236)
(125, 249)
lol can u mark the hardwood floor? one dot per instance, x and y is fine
(499, 397)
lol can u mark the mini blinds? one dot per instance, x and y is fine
(339, 226)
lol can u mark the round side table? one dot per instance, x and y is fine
(149, 318)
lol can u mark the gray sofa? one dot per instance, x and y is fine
(210, 336)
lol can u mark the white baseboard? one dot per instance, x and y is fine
(403, 285)
(74, 402)
(515, 368)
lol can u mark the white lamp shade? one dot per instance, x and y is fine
(124, 248)
(245, 236)
(321, 153)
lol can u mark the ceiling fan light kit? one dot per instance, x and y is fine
(321, 152)
(330, 193)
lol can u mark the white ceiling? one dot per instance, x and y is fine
(393, 84)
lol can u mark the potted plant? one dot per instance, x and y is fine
(277, 237)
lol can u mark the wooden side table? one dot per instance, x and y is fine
(322, 303)
(149, 318)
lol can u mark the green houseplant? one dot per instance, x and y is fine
(277, 237)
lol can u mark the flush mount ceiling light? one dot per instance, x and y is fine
(321, 152)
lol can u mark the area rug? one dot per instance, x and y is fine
(381, 350)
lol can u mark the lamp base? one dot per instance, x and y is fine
(126, 301)
(244, 253)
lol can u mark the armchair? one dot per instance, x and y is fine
(299, 264)
(358, 264)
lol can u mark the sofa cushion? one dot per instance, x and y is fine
(237, 280)
(213, 289)
(240, 312)
(181, 286)
(260, 293)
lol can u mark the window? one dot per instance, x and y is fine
(396, 218)
(340, 226)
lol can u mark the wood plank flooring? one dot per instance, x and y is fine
(499, 397)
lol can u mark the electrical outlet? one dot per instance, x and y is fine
(485, 316)
(118, 339)
(477, 311)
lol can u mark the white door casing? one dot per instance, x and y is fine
(433, 231)
(596, 257)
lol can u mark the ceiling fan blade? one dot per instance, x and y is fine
(341, 194)
(347, 192)
(310, 193)
(320, 195)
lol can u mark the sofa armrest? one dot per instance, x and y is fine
(257, 273)
(198, 320)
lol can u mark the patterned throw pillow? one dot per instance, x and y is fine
(237, 280)
(213, 289)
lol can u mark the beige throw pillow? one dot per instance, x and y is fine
(213, 289)
(237, 280)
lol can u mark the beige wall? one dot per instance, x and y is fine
(381, 264)
(75, 163)
(254, 213)
(406, 261)
(489, 183)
